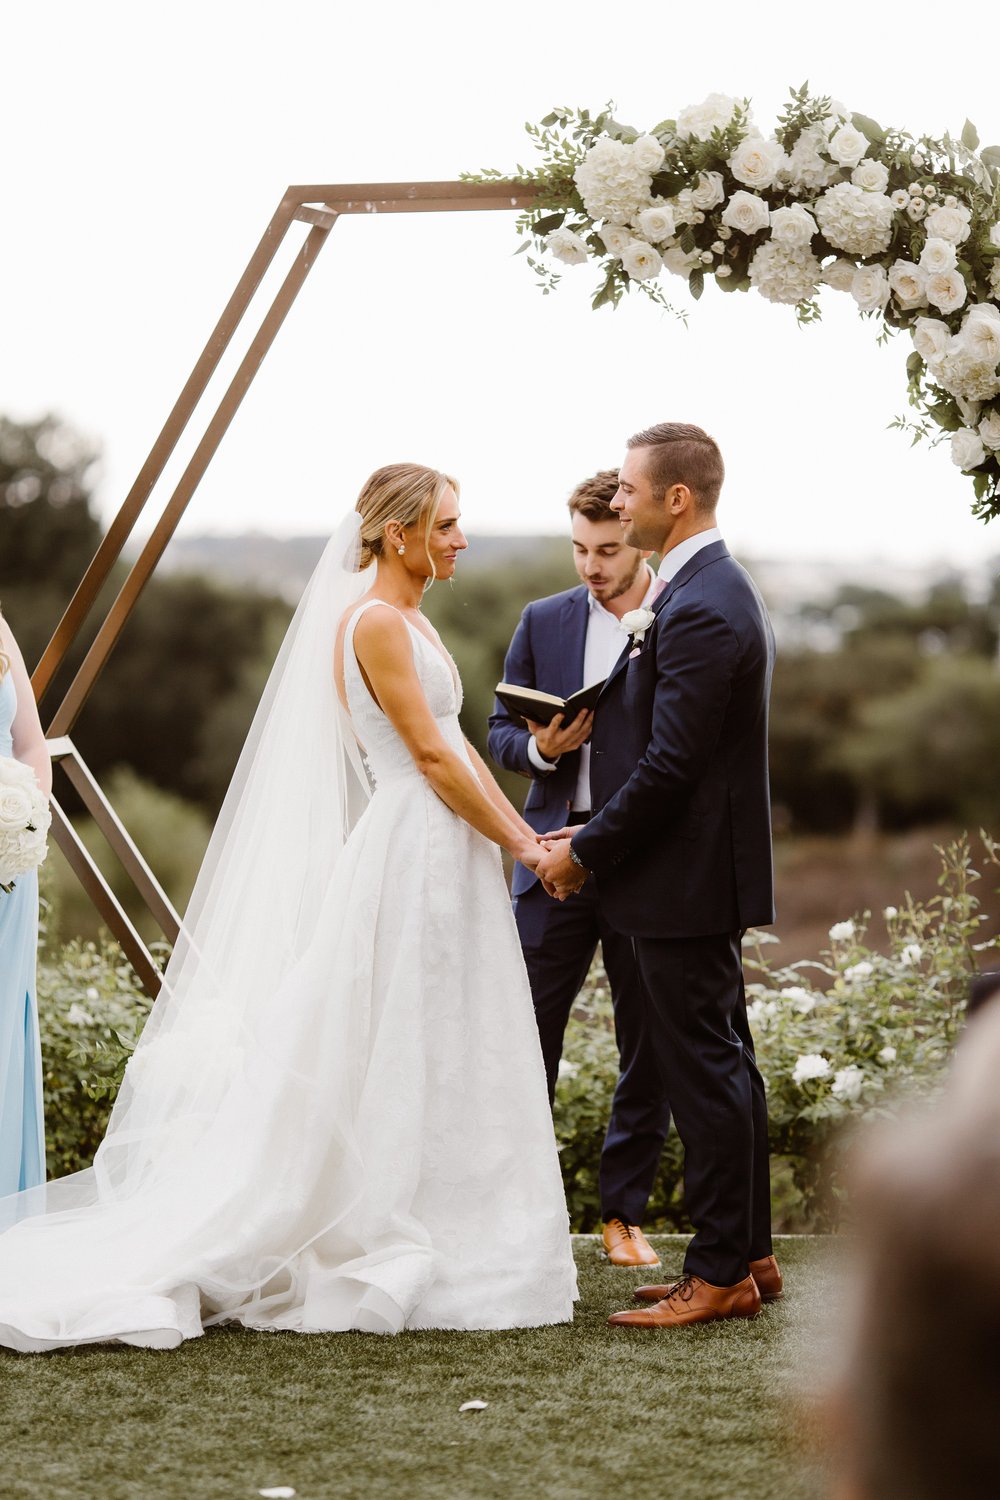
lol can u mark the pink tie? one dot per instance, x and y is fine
(661, 584)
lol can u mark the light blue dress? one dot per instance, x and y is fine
(22, 1136)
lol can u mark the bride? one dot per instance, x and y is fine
(336, 1117)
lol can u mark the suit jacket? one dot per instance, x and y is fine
(681, 844)
(546, 653)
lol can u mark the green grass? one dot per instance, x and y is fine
(585, 1410)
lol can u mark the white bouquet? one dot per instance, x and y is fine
(24, 821)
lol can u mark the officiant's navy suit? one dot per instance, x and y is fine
(559, 938)
(680, 844)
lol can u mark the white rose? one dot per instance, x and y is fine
(636, 620)
(929, 190)
(887, 1055)
(873, 176)
(870, 288)
(848, 1083)
(567, 247)
(707, 191)
(756, 162)
(908, 283)
(724, 271)
(746, 212)
(916, 208)
(699, 120)
(792, 226)
(641, 261)
(931, 337)
(949, 224)
(900, 198)
(785, 273)
(655, 224)
(15, 807)
(989, 431)
(840, 275)
(994, 236)
(938, 255)
(647, 153)
(811, 1065)
(615, 238)
(981, 336)
(842, 932)
(946, 291)
(967, 451)
(847, 146)
(679, 262)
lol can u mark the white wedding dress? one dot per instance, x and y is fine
(366, 1146)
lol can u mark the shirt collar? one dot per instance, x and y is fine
(675, 559)
(647, 598)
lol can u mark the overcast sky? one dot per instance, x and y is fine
(146, 146)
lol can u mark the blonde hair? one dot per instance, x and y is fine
(407, 493)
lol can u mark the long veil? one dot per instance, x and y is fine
(299, 786)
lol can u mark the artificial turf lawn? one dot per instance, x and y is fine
(707, 1413)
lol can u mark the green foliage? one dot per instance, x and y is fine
(91, 1013)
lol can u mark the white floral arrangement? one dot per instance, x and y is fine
(635, 622)
(24, 822)
(909, 227)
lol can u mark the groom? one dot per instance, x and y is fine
(680, 845)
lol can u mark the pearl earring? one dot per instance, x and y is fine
(400, 550)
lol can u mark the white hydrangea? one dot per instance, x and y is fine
(887, 1055)
(641, 261)
(847, 146)
(995, 279)
(842, 932)
(756, 162)
(699, 120)
(989, 431)
(949, 223)
(785, 273)
(946, 290)
(870, 288)
(908, 284)
(656, 224)
(746, 212)
(806, 170)
(567, 246)
(854, 220)
(967, 451)
(860, 970)
(848, 1083)
(962, 375)
(873, 176)
(612, 184)
(810, 1065)
(938, 255)
(792, 226)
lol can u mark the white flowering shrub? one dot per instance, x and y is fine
(908, 226)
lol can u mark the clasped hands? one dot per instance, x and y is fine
(559, 874)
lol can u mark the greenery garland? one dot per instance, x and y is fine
(909, 226)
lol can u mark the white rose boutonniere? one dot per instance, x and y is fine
(636, 622)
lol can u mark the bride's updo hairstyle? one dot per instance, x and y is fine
(407, 493)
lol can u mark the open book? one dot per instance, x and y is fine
(541, 708)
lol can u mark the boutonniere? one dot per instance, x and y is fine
(636, 622)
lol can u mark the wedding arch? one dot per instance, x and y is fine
(909, 226)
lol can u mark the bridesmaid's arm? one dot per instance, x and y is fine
(29, 739)
(495, 794)
(385, 654)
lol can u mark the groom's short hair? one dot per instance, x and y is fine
(592, 497)
(680, 453)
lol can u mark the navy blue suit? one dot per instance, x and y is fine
(680, 844)
(559, 938)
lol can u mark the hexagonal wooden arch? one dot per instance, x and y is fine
(319, 208)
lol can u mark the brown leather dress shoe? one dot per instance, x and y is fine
(692, 1300)
(768, 1277)
(626, 1245)
(765, 1272)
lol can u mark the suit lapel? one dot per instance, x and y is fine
(573, 647)
(693, 566)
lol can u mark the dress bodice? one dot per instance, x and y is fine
(8, 708)
(386, 754)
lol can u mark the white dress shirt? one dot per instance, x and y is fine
(604, 644)
(675, 559)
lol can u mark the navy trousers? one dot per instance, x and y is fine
(559, 939)
(701, 1039)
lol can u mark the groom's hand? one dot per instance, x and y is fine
(559, 874)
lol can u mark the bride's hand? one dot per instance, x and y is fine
(558, 833)
(528, 854)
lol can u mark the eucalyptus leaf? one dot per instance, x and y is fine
(991, 156)
(970, 136)
(869, 128)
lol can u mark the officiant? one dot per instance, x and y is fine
(562, 644)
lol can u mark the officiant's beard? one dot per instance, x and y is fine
(614, 590)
